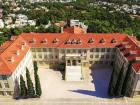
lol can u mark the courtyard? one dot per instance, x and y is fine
(53, 85)
(56, 91)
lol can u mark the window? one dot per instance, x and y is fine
(45, 56)
(96, 56)
(84, 64)
(6, 85)
(0, 85)
(107, 56)
(68, 61)
(91, 56)
(91, 62)
(101, 62)
(1, 93)
(41, 62)
(34, 56)
(68, 51)
(40, 56)
(108, 49)
(51, 57)
(4, 77)
(56, 57)
(84, 51)
(91, 50)
(113, 56)
(63, 58)
(33, 50)
(74, 62)
(102, 56)
(74, 51)
(96, 62)
(79, 51)
(97, 50)
(55, 50)
(44, 50)
(50, 50)
(9, 93)
(103, 50)
(39, 50)
(79, 61)
(62, 51)
(114, 50)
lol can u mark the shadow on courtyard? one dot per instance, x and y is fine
(100, 80)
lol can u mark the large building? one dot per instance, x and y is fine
(79, 51)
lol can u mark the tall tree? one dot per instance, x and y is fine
(37, 81)
(30, 87)
(37, 85)
(35, 66)
(23, 89)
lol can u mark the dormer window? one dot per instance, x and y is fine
(91, 40)
(17, 52)
(44, 41)
(102, 41)
(13, 38)
(55, 40)
(33, 40)
(113, 41)
(24, 43)
(68, 42)
(12, 59)
(22, 47)
(78, 41)
(73, 41)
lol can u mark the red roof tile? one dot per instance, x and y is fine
(68, 39)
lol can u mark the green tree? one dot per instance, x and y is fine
(126, 90)
(120, 81)
(16, 31)
(37, 81)
(30, 87)
(35, 66)
(53, 29)
(23, 89)
(37, 85)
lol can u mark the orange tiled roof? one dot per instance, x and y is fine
(9, 59)
(63, 40)
(75, 30)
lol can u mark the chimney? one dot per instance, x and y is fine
(22, 47)
(137, 58)
(34, 40)
(25, 43)
(17, 52)
(62, 30)
(12, 59)
(13, 38)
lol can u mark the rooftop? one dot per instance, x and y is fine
(13, 51)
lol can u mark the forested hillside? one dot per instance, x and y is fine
(98, 18)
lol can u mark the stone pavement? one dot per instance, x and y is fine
(59, 92)
(72, 101)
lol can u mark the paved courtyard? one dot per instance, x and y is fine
(59, 92)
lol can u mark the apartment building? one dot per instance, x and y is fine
(80, 52)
